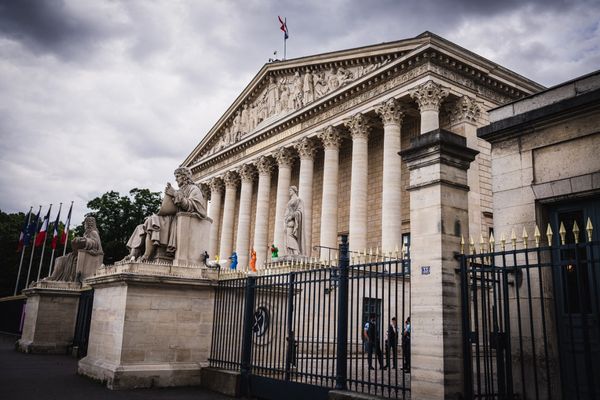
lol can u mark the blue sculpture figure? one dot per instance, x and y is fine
(234, 260)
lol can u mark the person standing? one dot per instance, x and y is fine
(406, 345)
(371, 336)
(391, 345)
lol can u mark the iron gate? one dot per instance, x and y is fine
(300, 332)
(530, 317)
(82, 324)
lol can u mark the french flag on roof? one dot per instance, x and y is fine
(284, 27)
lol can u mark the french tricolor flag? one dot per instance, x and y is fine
(65, 232)
(55, 233)
(41, 236)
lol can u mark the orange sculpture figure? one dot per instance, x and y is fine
(253, 260)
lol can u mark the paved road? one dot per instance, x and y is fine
(47, 377)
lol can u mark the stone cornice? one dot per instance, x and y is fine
(438, 52)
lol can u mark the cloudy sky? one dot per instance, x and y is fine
(111, 95)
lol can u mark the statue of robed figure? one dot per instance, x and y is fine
(294, 224)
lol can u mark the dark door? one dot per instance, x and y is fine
(576, 276)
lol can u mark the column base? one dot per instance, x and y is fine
(119, 376)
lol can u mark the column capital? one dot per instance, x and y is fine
(231, 179)
(390, 111)
(264, 165)
(216, 185)
(247, 172)
(205, 189)
(359, 125)
(429, 95)
(331, 138)
(465, 109)
(307, 148)
(284, 157)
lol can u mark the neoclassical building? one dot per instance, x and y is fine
(333, 125)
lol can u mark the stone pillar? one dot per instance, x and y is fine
(359, 130)
(231, 181)
(214, 212)
(391, 206)
(438, 163)
(285, 160)
(306, 149)
(463, 117)
(331, 139)
(429, 96)
(261, 225)
(242, 241)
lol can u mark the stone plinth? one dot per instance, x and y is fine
(193, 238)
(50, 315)
(438, 163)
(151, 325)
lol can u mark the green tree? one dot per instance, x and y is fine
(117, 216)
(10, 228)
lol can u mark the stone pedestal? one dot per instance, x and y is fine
(193, 237)
(50, 315)
(438, 163)
(151, 325)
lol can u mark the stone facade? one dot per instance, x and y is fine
(400, 89)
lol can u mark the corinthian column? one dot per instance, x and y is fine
(285, 160)
(261, 225)
(242, 240)
(391, 207)
(306, 149)
(231, 182)
(429, 96)
(214, 212)
(331, 139)
(359, 130)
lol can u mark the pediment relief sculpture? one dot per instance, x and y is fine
(284, 94)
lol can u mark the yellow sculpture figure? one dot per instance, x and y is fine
(253, 260)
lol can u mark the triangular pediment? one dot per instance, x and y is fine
(283, 87)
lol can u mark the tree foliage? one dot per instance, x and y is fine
(117, 216)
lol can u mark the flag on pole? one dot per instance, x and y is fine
(55, 231)
(23, 233)
(41, 236)
(32, 229)
(283, 27)
(65, 232)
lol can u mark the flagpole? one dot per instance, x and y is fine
(44, 245)
(284, 46)
(32, 250)
(23, 252)
(54, 229)
(67, 228)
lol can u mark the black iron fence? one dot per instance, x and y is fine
(531, 318)
(309, 329)
(83, 322)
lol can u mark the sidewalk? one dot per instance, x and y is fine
(46, 377)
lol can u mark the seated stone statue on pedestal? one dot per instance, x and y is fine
(85, 258)
(159, 236)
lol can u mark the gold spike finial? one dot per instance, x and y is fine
(492, 242)
(471, 245)
(537, 235)
(396, 251)
(481, 243)
(590, 229)
(576, 231)
(563, 233)
(525, 236)
(462, 244)
(503, 241)
(513, 239)
(549, 235)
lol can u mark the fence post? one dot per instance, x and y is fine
(291, 339)
(247, 331)
(466, 329)
(342, 321)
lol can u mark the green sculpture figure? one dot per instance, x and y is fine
(274, 251)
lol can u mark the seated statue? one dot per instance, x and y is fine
(160, 230)
(65, 267)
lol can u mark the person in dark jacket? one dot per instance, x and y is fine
(391, 343)
(371, 337)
